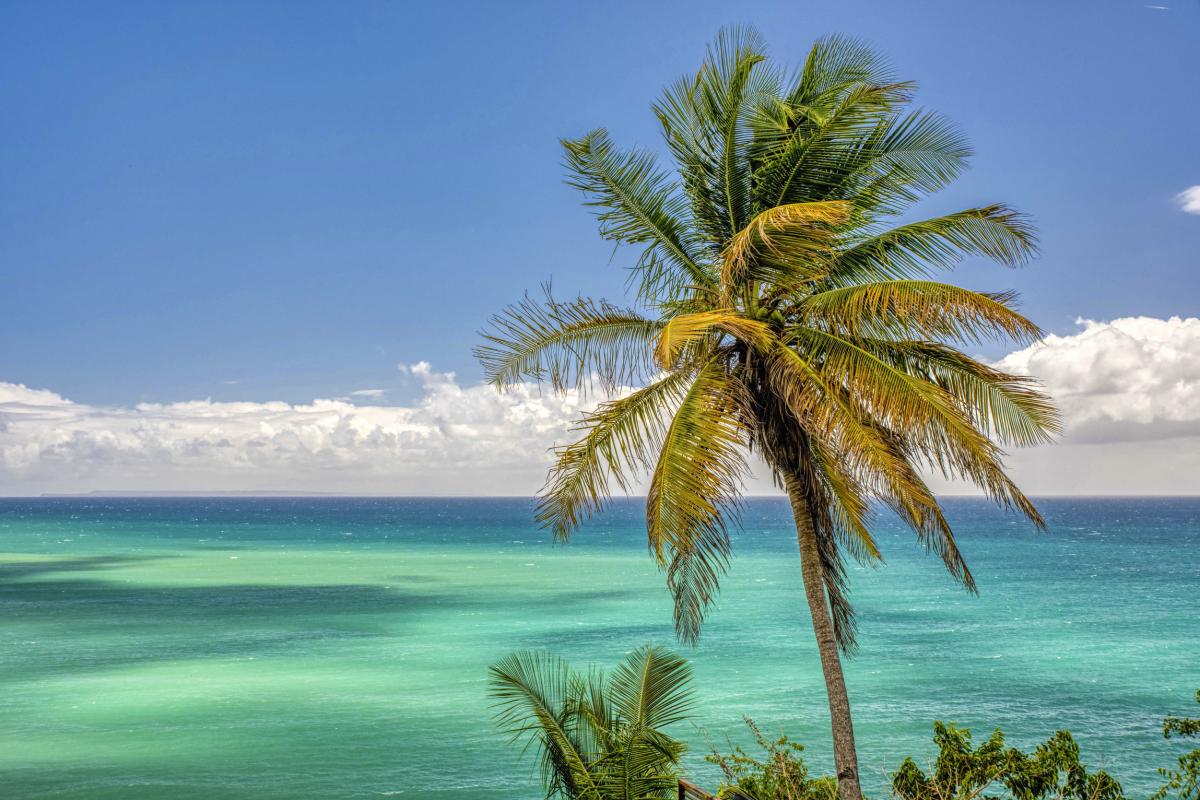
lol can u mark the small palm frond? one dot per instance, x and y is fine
(913, 250)
(651, 688)
(621, 436)
(567, 344)
(695, 485)
(917, 310)
(532, 693)
(639, 205)
(597, 737)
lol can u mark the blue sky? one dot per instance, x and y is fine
(298, 197)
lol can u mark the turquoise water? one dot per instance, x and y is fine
(337, 648)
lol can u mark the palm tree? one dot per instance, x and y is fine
(598, 737)
(784, 308)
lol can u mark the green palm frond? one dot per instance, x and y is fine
(816, 162)
(916, 249)
(650, 688)
(597, 736)
(532, 693)
(567, 344)
(638, 204)
(834, 64)
(907, 156)
(706, 125)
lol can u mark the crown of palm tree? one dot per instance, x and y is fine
(784, 307)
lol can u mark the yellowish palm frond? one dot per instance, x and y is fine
(621, 437)
(890, 396)
(846, 432)
(696, 483)
(917, 309)
(791, 243)
(684, 330)
(1010, 408)
(848, 501)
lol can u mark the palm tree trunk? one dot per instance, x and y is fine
(845, 757)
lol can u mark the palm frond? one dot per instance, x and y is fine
(531, 691)
(1009, 407)
(683, 331)
(834, 64)
(620, 437)
(651, 687)
(567, 344)
(638, 204)
(706, 124)
(815, 160)
(917, 309)
(785, 245)
(915, 249)
(906, 156)
(695, 486)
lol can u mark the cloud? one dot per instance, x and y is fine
(453, 440)
(1189, 200)
(1129, 390)
(1134, 378)
(373, 394)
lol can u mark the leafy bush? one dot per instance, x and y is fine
(962, 772)
(780, 775)
(1184, 782)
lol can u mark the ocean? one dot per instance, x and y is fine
(338, 648)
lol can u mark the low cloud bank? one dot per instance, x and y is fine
(454, 440)
(1129, 390)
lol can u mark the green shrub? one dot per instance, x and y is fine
(1184, 782)
(962, 772)
(780, 775)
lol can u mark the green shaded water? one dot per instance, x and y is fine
(338, 648)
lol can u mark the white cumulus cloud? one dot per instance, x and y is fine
(1129, 390)
(1189, 199)
(1131, 378)
(458, 440)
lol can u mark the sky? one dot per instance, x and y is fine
(250, 245)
